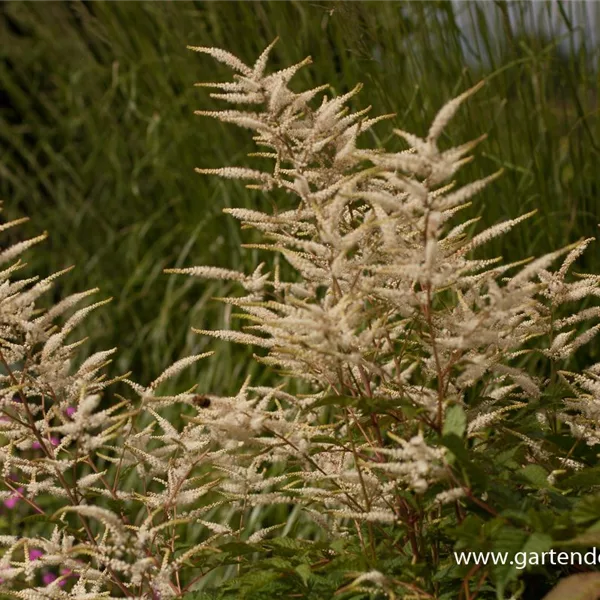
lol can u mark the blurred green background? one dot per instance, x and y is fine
(99, 140)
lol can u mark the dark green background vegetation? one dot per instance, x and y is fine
(99, 140)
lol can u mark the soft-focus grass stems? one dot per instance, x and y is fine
(101, 152)
(100, 141)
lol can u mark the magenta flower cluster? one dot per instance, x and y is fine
(34, 554)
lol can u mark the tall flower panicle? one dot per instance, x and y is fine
(62, 439)
(375, 244)
(391, 313)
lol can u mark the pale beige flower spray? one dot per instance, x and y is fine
(390, 321)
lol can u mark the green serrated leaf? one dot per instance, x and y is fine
(305, 572)
(455, 421)
(39, 519)
(536, 475)
(587, 510)
(455, 444)
(238, 548)
(590, 537)
(509, 540)
(584, 479)
(537, 543)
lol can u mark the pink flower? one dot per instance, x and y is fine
(70, 411)
(12, 500)
(66, 573)
(37, 446)
(48, 578)
(35, 553)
